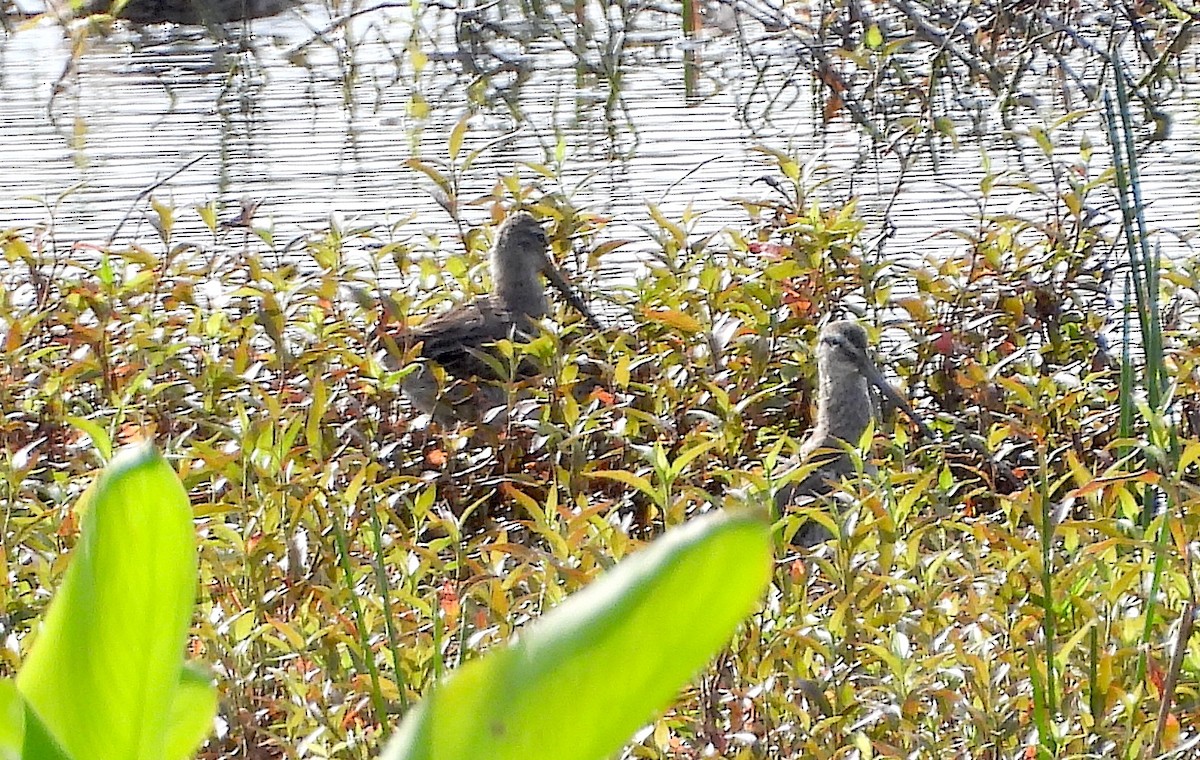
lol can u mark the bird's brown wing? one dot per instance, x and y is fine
(454, 338)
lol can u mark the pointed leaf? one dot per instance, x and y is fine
(96, 432)
(12, 721)
(192, 713)
(22, 735)
(106, 662)
(582, 679)
(684, 459)
(456, 137)
(438, 178)
(628, 478)
(677, 319)
(676, 232)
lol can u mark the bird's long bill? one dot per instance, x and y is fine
(573, 298)
(877, 379)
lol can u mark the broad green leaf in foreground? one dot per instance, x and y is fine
(106, 668)
(12, 721)
(581, 680)
(192, 711)
(22, 735)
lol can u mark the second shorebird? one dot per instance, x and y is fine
(456, 338)
(845, 373)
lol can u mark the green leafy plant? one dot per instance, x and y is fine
(106, 676)
(350, 557)
(579, 681)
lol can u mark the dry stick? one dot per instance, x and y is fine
(687, 174)
(149, 189)
(942, 38)
(789, 23)
(1000, 468)
(1186, 622)
(1169, 52)
(341, 20)
(338, 22)
(1138, 88)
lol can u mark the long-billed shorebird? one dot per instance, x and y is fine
(845, 373)
(456, 338)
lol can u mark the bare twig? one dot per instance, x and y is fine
(149, 189)
(1186, 622)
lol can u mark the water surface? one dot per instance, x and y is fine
(318, 127)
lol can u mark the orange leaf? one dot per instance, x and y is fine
(1141, 476)
(797, 570)
(14, 338)
(605, 397)
(608, 247)
(677, 319)
(1171, 731)
(801, 304)
(448, 599)
(833, 106)
(69, 525)
(132, 432)
(1158, 677)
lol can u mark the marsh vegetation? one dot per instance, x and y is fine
(1019, 584)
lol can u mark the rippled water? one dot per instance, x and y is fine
(320, 126)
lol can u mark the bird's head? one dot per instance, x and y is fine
(522, 250)
(843, 358)
(842, 350)
(521, 240)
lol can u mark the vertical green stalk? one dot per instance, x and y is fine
(360, 623)
(1144, 265)
(1128, 215)
(381, 580)
(1125, 394)
(1095, 696)
(1049, 621)
(1041, 718)
(1160, 554)
(691, 71)
(439, 662)
(691, 18)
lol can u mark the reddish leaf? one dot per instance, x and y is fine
(436, 457)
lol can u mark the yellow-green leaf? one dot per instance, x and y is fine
(456, 137)
(583, 678)
(677, 319)
(105, 669)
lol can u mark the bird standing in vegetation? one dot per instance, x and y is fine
(458, 339)
(844, 409)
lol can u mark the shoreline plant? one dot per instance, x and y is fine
(350, 557)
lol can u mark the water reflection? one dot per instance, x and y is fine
(314, 113)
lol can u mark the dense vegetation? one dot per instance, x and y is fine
(349, 557)
(1020, 586)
